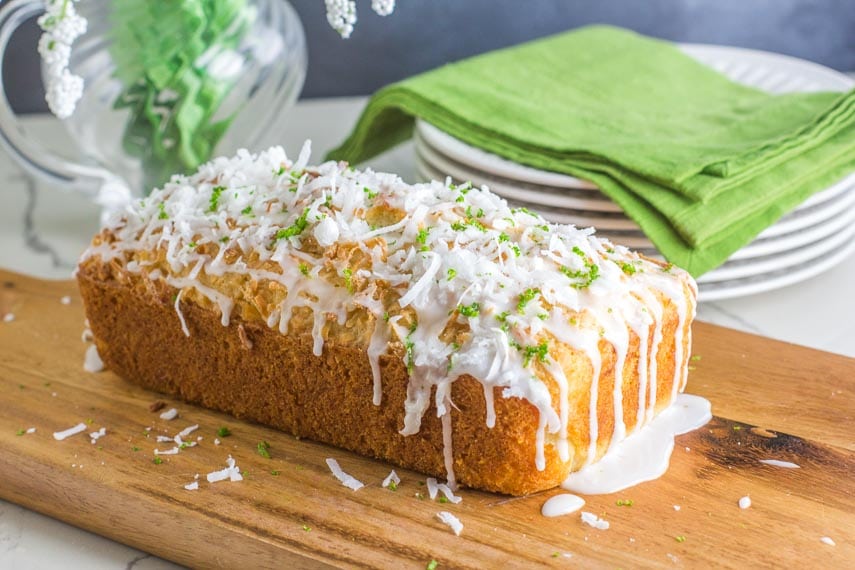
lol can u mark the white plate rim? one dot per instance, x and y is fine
(830, 204)
(721, 290)
(766, 264)
(514, 189)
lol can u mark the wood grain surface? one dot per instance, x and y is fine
(771, 400)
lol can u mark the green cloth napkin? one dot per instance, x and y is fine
(700, 163)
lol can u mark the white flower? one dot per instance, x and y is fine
(54, 53)
(341, 15)
(70, 27)
(383, 7)
(63, 92)
(61, 25)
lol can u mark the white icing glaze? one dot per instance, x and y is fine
(180, 314)
(506, 279)
(562, 504)
(644, 455)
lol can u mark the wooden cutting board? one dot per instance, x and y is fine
(771, 401)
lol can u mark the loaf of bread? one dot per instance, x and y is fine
(431, 326)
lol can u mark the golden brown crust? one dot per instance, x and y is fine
(255, 373)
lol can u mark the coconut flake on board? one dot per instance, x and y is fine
(96, 435)
(188, 430)
(779, 463)
(192, 486)
(231, 472)
(451, 520)
(92, 361)
(8, 317)
(392, 477)
(434, 487)
(348, 481)
(169, 414)
(827, 540)
(594, 521)
(61, 435)
(745, 502)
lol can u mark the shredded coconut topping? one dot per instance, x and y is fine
(452, 277)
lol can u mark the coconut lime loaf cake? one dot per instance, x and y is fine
(429, 325)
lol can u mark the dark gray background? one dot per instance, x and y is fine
(423, 34)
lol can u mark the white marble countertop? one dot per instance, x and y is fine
(43, 230)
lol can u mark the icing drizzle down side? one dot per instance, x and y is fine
(450, 277)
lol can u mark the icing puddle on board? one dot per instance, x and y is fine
(644, 455)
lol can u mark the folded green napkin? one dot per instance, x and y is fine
(700, 163)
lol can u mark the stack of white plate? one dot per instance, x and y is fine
(812, 238)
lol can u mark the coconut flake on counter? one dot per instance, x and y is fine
(348, 481)
(231, 472)
(61, 435)
(173, 451)
(92, 361)
(65, 300)
(779, 463)
(392, 477)
(827, 540)
(165, 439)
(594, 521)
(8, 317)
(96, 435)
(676, 507)
(217, 441)
(451, 520)
(192, 486)
(169, 414)
(745, 502)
